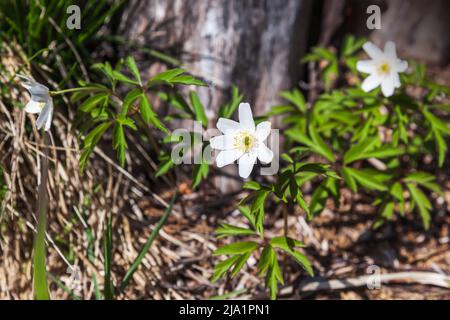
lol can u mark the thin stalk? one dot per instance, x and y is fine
(148, 244)
(39, 270)
(55, 93)
(285, 232)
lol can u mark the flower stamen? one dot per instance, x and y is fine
(384, 68)
(244, 141)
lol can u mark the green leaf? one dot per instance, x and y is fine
(285, 243)
(385, 151)
(188, 80)
(266, 258)
(436, 123)
(273, 277)
(90, 141)
(166, 76)
(222, 267)
(89, 104)
(227, 110)
(236, 248)
(229, 230)
(257, 209)
(149, 116)
(366, 180)
(198, 109)
(441, 147)
(358, 151)
(419, 177)
(137, 262)
(318, 199)
(130, 98)
(119, 142)
(397, 192)
(240, 263)
(296, 97)
(246, 212)
(422, 203)
(302, 203)
(319, 145)
(387, 210)
(287, 158)
(164, 167)
(302, 260)
(200, 172)
(121, 77)
(349, 180)
(251, 185)
(131, 64)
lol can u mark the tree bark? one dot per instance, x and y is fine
(255, 45)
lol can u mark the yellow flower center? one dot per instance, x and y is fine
(384, 68)
(244, 141)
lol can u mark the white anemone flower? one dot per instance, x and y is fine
(383, 68)
(41, 102)
(242, 141)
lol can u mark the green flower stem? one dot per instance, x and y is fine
(39, 270)
(55, 93)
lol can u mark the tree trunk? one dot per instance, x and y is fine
(255, 45)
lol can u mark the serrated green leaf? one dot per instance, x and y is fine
(246, 212)
(285, 243)
(358, 151)
(295, 97)
(366, 180)
(319, 145)
(240, 263)
(265, 259)
(222, 267)
(236, 248)
(251, 185)
(121, 77)
(422, 203)
(199, 110)
(89, 104)
(229, 230)
(131, 64)
(149, 116)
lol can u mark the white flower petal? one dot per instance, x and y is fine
(223, 142)
(263, 130)
(246, 163)
(34, 107)
(371, 82)
(227, 126)
(401, 65)
(49, 118)
(227, 157)
(265, 155)
(373, 51)
(387, 86)
(389, 50)
(366, 66)
(39, 92)
(246, 117)
(45, 115)
(396, 79)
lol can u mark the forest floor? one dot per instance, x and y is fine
(340, 242)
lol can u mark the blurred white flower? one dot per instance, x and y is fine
(41, 102)
(383, 68)
(242, 141)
